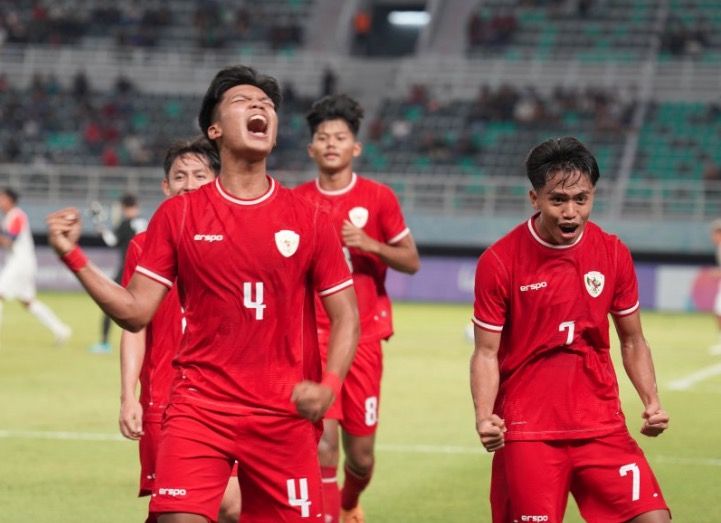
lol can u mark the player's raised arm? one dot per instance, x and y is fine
(638, 363)
(131, 307)
(401, 255)
(484, 388)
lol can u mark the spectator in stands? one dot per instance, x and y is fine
(329, 82)
(361, 31)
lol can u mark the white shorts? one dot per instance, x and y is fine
(17, 283)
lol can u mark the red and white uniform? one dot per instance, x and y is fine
(373, 207)
(162, 340)
(557, 382)
(247, 272)
(17, 277)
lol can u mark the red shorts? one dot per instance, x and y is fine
(608, 476)
(148, 450)
(279, 474)
(357, 408)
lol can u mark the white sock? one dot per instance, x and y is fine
(47, 317)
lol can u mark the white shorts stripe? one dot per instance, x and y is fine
(398, 237)
(487, 326)
(157, 277)
(336, 288)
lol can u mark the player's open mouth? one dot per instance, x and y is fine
(257, 125)
(568, 228)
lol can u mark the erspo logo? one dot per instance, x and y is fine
(172, 492)
(533, 287)
(208, 238)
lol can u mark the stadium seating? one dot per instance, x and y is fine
(271, 25)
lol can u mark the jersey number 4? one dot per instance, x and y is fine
(299, 497)
(253, 298)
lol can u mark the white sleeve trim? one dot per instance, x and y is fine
(398, 237)
(153, 276)
(626, 312)
(487, 326)
(336, 288)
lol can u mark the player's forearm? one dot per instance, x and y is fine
(485, 378)
(344, 331)
(638, 364)
(5, 240)
(114, 300)
(132, 353)
(400, 258)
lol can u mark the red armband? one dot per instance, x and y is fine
(332, 380)
(75, 259)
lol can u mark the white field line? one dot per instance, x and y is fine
(692, 379)
(381, 447)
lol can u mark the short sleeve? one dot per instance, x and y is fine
(330, 268)
(491, 292)
(159, 258)
(393, 224)
(16, 224)
(625, 295)
(132, 257)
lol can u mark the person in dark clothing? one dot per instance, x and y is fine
(131, 223)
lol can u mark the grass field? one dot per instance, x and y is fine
(63, 461)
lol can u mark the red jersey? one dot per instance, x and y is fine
(162, 340)
(246, 271)
(373, 207)
(551, 304)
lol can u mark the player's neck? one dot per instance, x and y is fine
(243, 179)
(337, 180)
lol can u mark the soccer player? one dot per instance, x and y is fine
(146, 355)
(543, 384)
(369, 221)
(17, 277)
(130, 225)
(247, 256)
(716, 239)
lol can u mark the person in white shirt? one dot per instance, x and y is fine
(17, 277)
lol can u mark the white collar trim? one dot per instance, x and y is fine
(238, 201)
(337, 192)
(535, 235)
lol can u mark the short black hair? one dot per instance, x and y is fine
(228, 78)
(10, 193)
(129, 200)
(566, 155)
(335, 107)
(199, 146)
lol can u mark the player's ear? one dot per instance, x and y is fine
(214, 132)
(357, 149)
(309, 148)
(165, 186)
(533, 196)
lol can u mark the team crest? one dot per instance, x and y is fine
(594, 281)
(358, 216)
(287, 242)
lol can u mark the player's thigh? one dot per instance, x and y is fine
(536, 476)
(362, 390)
(279, 473)
(193, 462)
(613, 481)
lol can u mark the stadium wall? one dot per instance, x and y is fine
(449, 279)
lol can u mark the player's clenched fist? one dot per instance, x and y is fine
(64, 227)
(311, 399)
(491, 430)
(655, 421)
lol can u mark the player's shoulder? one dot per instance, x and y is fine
(596, 234)
(368, 184)
(306, 188)
(138, 241)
